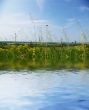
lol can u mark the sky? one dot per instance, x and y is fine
(44, 20)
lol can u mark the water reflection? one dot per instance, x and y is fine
(42, 64)
(44, 90)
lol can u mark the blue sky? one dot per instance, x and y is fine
(28, 18)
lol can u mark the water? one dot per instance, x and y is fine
(44, 90)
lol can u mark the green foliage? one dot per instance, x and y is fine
(61, 56)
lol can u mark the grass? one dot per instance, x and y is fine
(26, 56)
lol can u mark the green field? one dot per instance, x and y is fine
(25, 56)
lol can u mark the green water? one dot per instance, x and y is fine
(42, 64)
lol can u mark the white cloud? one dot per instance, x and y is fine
(19, 19)
(69, 23)
(12, 23)
(84, 8)
(71, 19)
(40, 3)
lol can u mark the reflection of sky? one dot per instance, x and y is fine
(21, 15)
(44, 89)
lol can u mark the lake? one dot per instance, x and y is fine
(66, 89)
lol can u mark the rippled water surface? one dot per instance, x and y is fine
(44, 90)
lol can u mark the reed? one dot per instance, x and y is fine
(44, 55)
